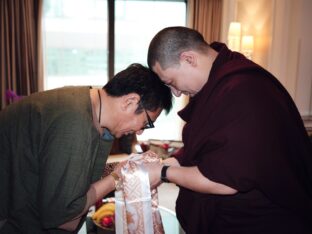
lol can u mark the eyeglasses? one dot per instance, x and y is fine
(150, 123)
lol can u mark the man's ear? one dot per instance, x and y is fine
(188, 57)
(130, 101)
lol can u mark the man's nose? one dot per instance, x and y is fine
(139, 132)
(175, 92)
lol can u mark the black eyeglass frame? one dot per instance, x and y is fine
(150, 123)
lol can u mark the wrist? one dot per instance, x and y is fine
(163, 174)
(116, 180)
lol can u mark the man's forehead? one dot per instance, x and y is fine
(160, 72)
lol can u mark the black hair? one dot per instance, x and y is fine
(168, 44)
(143, 81)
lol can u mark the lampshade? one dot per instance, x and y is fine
(247, 46)
(247, 43)
(234, 35)
(235, 29)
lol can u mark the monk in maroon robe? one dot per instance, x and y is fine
(246, 165)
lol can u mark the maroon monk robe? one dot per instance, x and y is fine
(243, 130)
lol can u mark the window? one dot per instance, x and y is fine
(137, 22)
(75, 39)
(76, 44)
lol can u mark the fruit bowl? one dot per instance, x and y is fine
(104, 218)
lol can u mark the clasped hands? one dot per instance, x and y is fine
(151, 163)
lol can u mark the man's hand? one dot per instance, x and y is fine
(154, 170)
(118, 167)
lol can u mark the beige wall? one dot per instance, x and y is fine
(303, 83)
(283, 34)
(256, 19)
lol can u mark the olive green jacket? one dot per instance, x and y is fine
(50, 153)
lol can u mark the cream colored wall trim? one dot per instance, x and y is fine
(303, 94)
(280, 44)
(290, 55)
